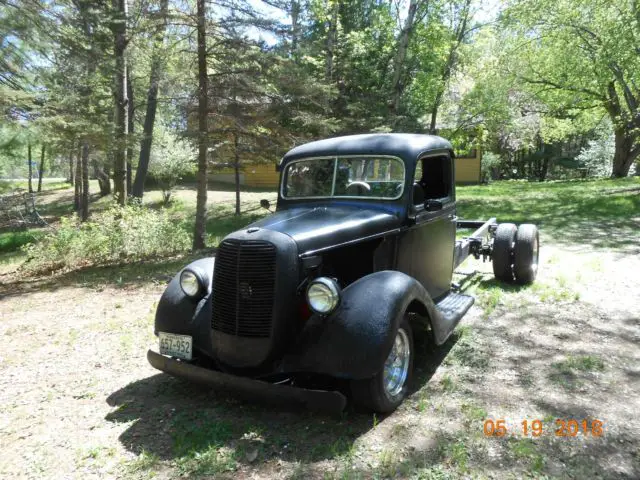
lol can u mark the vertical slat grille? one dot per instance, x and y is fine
(243, 288)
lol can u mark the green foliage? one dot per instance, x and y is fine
(597, 155)
(525, 449)
(583, 363)
(455, 452)
(142, 463)
(579, 61)
(490, 166)
(171, 159)
(11, 241)
(118, 234)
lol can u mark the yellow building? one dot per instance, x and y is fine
(264, 175)
(258, 175)
(468, 168)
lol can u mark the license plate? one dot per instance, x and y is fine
(175, 345)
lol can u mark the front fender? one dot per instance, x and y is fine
(177, 313)
(355, 340)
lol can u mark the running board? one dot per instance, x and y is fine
(451, 309)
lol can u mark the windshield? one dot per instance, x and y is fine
(363, 176)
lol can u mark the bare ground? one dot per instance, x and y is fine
(78, 399)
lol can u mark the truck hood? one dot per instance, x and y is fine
(314, 228)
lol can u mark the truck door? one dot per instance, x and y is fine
(426, 249)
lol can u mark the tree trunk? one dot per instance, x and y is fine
(84, 210)
(434, 115)
(70, 179)
(30, 167)
(152, 103)
(77, 196)
(544, 170)
(401, 54)
(104, 182)
(295, 26)
(236, 168)
(201, 201)
(625, 154)
(331, 41)
(120, 95)
(130, 107)
(41, 169)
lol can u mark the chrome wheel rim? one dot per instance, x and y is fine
(396, 367)
(536, 254)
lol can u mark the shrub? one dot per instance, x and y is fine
(490, 166)
(118, 234)
(170, 161)
(597, 156)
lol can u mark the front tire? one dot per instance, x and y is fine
(386, 390)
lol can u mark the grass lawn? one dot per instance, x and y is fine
(603, 213)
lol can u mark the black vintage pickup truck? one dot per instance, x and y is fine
(358, 256)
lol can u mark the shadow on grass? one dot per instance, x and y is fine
(187, 423)
(175, 419)
(200, 431)
(429, 357)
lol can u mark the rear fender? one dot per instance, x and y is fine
(355, 340)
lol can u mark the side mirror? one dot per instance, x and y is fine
(432, 205)
(264, 203)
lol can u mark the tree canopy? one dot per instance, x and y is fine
(90, 79)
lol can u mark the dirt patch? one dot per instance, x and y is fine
(80, 401)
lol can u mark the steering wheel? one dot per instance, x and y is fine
(361, 186)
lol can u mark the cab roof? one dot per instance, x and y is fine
(407, 146)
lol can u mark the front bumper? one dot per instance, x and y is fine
(249, 388)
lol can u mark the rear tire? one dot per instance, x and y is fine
(502, 254)
(386, 390)
(526, 254)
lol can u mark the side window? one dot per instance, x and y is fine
(437, 179)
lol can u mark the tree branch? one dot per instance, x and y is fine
(559, 86)
(629, 98)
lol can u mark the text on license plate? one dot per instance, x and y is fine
(175, 345)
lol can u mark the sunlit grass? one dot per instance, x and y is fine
(584, 363)
(600, 212)
(47, 184)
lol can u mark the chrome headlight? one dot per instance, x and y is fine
(323, 295)
(191, 283)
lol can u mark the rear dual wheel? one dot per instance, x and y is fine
(386, 390)
(516, 252)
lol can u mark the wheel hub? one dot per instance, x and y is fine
(396, 367)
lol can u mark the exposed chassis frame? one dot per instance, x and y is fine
(480, 242)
